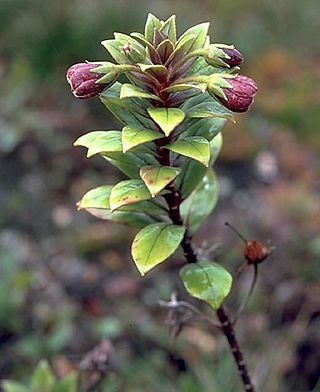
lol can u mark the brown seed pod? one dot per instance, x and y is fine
(254, 251)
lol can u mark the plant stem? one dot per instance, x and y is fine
(173, 199)
(226, 325)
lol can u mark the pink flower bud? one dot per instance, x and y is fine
(235, 57)
(83, 81)
(240, 95)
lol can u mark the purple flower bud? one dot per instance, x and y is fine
(83, 81)
(235, 57)
(240, 95)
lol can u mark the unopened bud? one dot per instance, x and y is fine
(224, 56)
(239, 95)
(83, 80)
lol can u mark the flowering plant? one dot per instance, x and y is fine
(180, 92)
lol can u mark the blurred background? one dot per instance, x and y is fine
(67, 280)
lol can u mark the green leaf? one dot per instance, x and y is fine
(157, 178)
(215, 145)
(133, 111)
(210, 109)
(133, 219)
(168, 29)
(156, 70)
(128, 192)
(174, 88)
(130, 163)
(42, 378)
(131, 91)
(194, 38)
(151, 24)
(136, 52)
(132, 137)
(194, 147)
(96, 202)
(99, 198)
(167, 118)
(96, 198)
(181, 49)
(109, 141)
(207, 281)
(87, 139)
(67, 384)
(199, 205)
(12, 386)
(190, 176)
(165, 49)
(154, 244)
(206, 127)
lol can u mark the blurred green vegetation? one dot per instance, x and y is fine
(67, 281)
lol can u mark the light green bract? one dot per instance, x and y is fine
(154, 244)
(207, 281)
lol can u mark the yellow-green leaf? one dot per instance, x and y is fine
(87, 139)
(207, 281)
(200, 203)
(109, 141)
(154, 244)
(96, 198)
(157, 178)
(195, 147)
(131, 91)
(132, 137)
(128, 192)
(167, 118)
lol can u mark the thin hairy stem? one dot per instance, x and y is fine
(248, 296)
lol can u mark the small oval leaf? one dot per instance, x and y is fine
(154, 244)
(87, 139)
(128, 192)
(109, 141)
(167, 118)
(196, 208)
(157, 70)
(207, 281)
(96, 198)
(215, 145)
(157, 178)
(131, 91)
(195, 147)
(132, 137)
(210, 109)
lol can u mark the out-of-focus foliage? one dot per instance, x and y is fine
(43, 380)
(66, 281)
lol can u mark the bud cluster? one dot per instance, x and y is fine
(172, 69)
